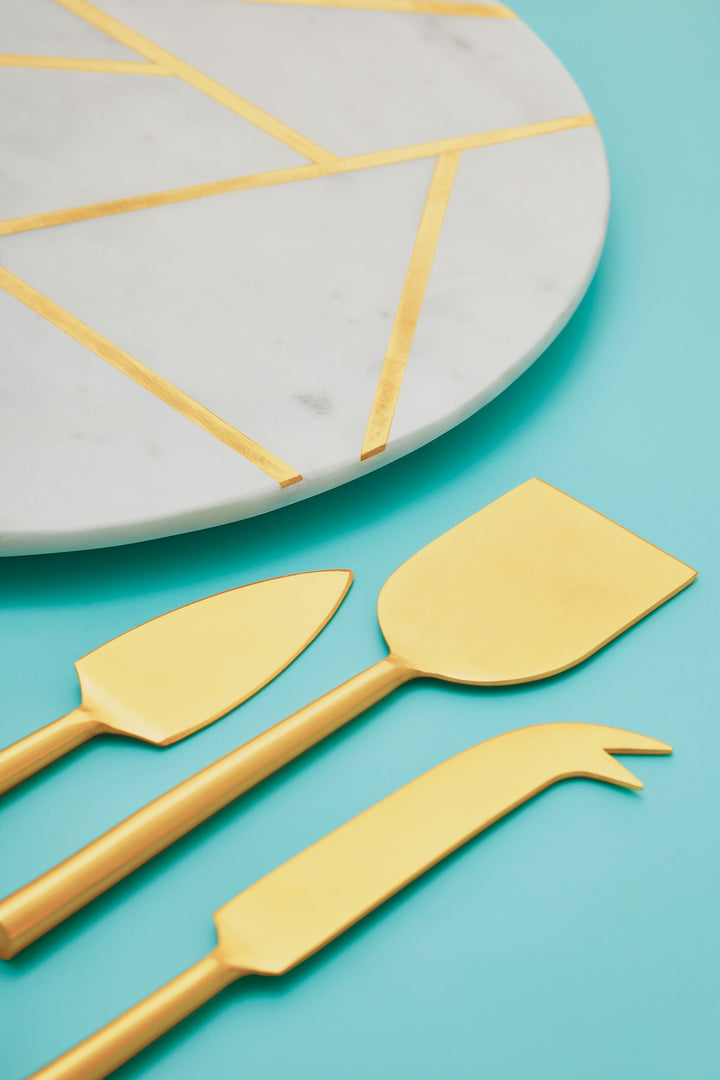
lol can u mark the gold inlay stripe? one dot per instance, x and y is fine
(411, 7)
(285, 176)
(411, 298)
(149, 380)
(73, 63)
(175, 66)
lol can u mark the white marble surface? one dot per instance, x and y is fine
(355, 81)
(43, 28)
(75, 137)
(273, 307)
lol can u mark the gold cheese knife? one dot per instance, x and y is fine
(175, 674)
(295, 910)
(529, 586)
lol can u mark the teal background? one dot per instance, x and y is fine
(577, 938)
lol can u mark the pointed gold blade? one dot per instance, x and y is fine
(306, 902)
(175, 674)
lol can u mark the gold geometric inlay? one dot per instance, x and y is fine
(148, 379)
(372, 160)
(197, 79)
(411, 298)
(78, 63)
(158, 61)
(410, 7)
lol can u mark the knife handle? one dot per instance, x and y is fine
(124, 1037)
(34, 752)
(40, 905)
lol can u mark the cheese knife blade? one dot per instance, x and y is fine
(298, 908)
(179, 672)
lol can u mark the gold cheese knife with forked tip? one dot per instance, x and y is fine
(177, 673)
(527, 587)
(295, 910)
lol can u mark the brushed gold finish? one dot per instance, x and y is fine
(175, 66)
(35, 908)
(529, 586)
(192, 410)
(41, 748)
(411, 298)
(298, 908)
(372, 160)
(411, 7)
(144, 1023)
(169, 677)
(74, 63)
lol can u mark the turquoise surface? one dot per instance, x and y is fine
(577, 938)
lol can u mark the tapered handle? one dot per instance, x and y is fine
(121, 1039)
(33, 753)
(34, 909)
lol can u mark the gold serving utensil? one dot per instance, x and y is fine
(529, 586)
(175, 674)
(295, 910)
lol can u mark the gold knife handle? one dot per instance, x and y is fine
(33, 753)
(124, 1037)
(40, 905)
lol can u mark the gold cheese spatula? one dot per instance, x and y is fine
(527, 587)
(175, 674)
(295, 910)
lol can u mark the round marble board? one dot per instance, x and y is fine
(252, 249)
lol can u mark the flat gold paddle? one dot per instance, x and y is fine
(177, 673)
(295, 910)
(527, 587)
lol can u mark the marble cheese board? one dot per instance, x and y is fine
(252, 249)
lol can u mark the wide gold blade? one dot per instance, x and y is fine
(175, 674)
(298, 908)
(530, 585)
